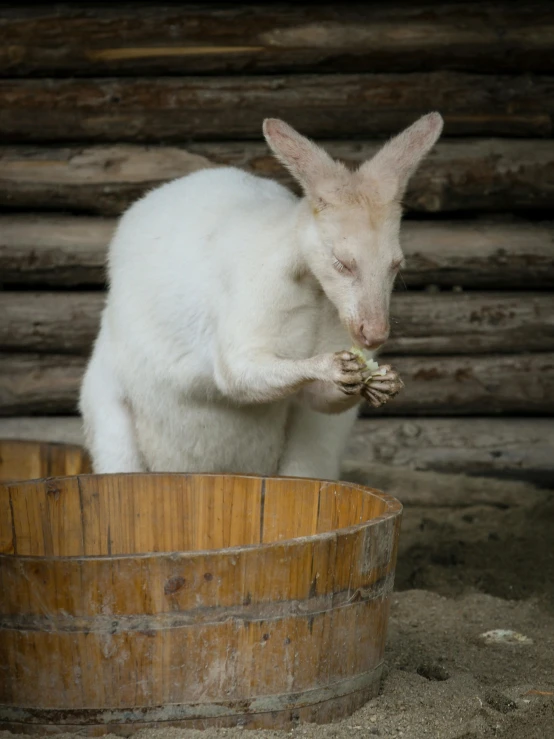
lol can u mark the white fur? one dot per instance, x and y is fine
(220, 343)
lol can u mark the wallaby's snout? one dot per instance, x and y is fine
(372, 334)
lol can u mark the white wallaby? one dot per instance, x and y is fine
(231, 303)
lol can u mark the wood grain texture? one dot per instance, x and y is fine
(27, 460)
(512, 448)
(48, 384)
(153, 39)
(41, 321)
(156, 110)
(478, 253)
(41, 384)
(422, 322)
(442, 491)
(53, 429)
(66, 251)
(187, 594)
(475, 175)
(515, 448)
(54, 249)
(473, 385)
(471, 322)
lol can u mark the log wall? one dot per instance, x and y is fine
(98, 104)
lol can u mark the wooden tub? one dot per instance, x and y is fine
(27, 460)
(131, 601)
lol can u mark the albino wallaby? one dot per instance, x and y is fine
(231, 304)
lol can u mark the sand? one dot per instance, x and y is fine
(464, 568)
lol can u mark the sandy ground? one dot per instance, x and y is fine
(468, 563)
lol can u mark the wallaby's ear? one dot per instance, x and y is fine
(392, 166)
(308, 163)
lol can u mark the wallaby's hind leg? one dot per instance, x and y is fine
(108, 424)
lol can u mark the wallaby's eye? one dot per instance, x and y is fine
(340, 266)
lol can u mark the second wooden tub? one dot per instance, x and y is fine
(194, 600)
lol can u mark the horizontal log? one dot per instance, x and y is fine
(467, 323)
(422, 323)
(473, 385)
(55, 429)
(478, 253)
(353, 37)
(515, 448)
(67, 251)
(48, 384)
(102, 179)
(438, 492)
(482, 175)
(50, 322)
(54, 250)
(203, 108)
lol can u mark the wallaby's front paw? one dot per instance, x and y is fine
(345, 370)
(381, 388)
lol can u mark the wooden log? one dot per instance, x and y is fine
(267, 597)
(470, 323)
(41, 384)
(102, 180)
(199, 108)
(417, 489)
(48, 384)
(422, 322)
(150, 39)
(513, 448)
(67, 251)
(53, 429)
(51, 322)
(479, 253)
(54, 250)
(473, 385)
(482, 175)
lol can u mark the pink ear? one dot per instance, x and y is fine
(307, 162)
(392, 166)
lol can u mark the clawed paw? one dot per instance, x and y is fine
(382, 387)
(348, 373)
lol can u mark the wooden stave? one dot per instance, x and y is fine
(34, 459)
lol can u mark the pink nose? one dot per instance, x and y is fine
(373, 334)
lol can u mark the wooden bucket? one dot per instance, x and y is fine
(131, 601)
(27, 460)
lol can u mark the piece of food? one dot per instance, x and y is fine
(370, 365)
